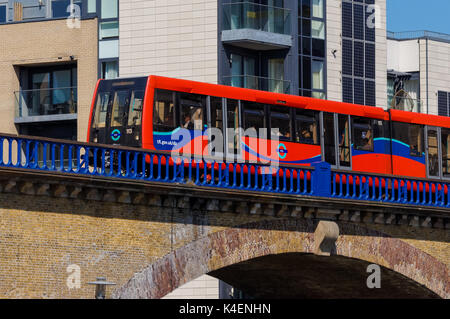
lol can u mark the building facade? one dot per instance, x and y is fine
(332, 49)
(419, 72)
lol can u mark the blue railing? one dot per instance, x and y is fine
(47, 155)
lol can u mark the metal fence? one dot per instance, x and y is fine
(19, 152)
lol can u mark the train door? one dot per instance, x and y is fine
(118, 106)
(133, 125)
(434, 162)
(216, 138)
(232, 129)
(336, 140)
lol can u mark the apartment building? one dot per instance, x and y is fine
(51, 54)
(419, 71)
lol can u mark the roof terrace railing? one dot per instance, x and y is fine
(411, 35)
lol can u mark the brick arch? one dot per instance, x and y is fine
(275, 236)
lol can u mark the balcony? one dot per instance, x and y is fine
(257, 83)
(256, 27)
(46, 105)
(404, 103)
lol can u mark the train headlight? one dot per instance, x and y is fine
(95, 140)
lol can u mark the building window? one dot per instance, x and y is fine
(62, 8)
(358, 54)
(108, 33)
(108, 49)
(2, 14)
(109, 9)
(243, 72)
(443, 103)
(92, 6)
(311, 25)
(317, 9)
(317, 75)
(110, 70)
(47, 91)
(109, 30)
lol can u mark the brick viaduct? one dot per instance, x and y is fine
(152, 238)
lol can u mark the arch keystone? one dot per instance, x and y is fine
(325, 237)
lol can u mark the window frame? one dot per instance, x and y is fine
(355, 126)
(6, 13)
(316, 117)
(288, 110)
(263, 111)
(156, 126)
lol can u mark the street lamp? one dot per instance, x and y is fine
(100, 287)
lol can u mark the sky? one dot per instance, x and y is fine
(413, 15)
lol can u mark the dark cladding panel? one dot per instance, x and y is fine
(443, 103)
(347, 20)
(347, 89)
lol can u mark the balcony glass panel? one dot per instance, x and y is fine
(39, 102)
(247, 15)
(258, 83)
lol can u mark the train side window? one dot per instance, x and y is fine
(233, 126)
(101, 109)
(192, 111)
(411, 135)
(363, 134)
(307, 123)
(344, 140)
(164, 111)
(254, 117)
(445, 143)
(135, 111)
(280, 120)
(433, 153)
(216, 112)
(416, 140)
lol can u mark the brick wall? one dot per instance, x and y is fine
(40, 236)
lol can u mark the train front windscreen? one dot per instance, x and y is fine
(117, 113)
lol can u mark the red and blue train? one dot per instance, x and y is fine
(148, 113)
